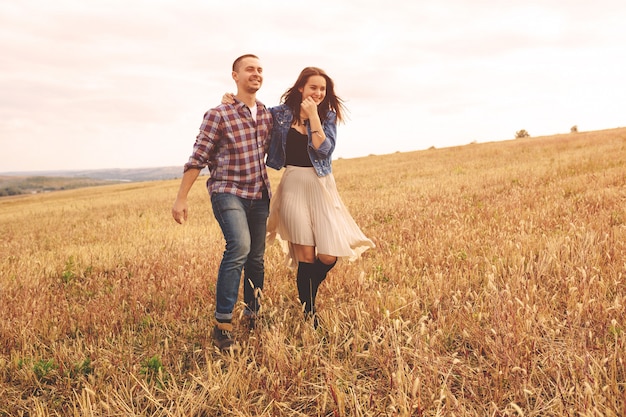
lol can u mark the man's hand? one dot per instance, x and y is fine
(179, 211)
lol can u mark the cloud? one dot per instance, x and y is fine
(125, 83)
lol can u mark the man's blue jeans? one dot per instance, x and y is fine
(243, 224)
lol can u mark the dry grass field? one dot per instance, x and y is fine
(497, 288)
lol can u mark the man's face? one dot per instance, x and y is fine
(249, 75)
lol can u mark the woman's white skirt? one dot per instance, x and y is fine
(307, 210)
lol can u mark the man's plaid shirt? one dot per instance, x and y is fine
(233, 146)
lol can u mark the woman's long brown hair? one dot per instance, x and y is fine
(293, 97)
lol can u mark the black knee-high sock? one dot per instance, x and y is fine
(306, 272)
(321, 270)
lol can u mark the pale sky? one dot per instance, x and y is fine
(90, 84)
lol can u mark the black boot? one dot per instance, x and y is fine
(306, 272)
(321, 270)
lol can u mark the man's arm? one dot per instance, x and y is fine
(180, 209)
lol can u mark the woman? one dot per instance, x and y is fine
(306, 210)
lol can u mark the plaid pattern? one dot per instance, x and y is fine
(233, 146)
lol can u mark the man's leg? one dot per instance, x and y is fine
(254, 269)
(229, 210)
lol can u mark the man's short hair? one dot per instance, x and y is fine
(241, 58)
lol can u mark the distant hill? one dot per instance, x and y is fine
(116, 174)
(29, 182)
(16, 183)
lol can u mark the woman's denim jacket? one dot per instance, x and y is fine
(320, 158)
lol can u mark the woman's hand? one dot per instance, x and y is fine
(228, 98)
(309, 107)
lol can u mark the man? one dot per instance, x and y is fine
(233, 141)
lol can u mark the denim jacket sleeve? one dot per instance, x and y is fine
(321, 157)
(281, 122)
(330, 131)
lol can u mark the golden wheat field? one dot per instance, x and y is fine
(497, 288)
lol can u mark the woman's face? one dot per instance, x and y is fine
(315, 88)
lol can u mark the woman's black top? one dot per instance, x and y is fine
(296, 149)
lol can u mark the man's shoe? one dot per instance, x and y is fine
(223, 338)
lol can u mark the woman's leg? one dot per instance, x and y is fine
(306, 272)
(323, 264)
(311, 272)
(304, 253)
(327, 259)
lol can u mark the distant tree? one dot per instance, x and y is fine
(521, 134)
(573, 129)
(10, 191)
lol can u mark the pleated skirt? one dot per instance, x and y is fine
(307, 210)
